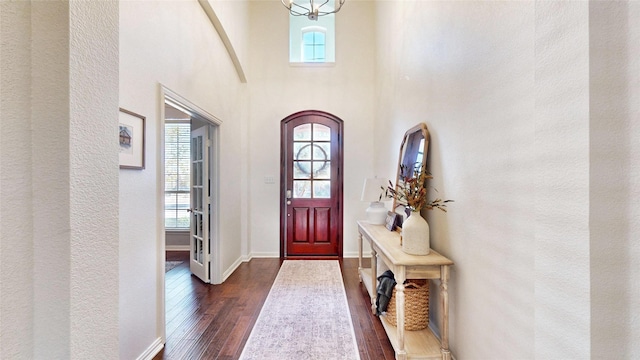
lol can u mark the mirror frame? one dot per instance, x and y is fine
(409, 145)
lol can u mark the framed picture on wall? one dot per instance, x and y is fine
(131, 139)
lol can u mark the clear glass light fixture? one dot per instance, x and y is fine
(314, 8)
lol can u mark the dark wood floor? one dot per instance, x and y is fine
(214, 321)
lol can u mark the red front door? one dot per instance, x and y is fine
(311, 185)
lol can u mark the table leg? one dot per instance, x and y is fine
(374, 279)
(360, 257)
(444, 296)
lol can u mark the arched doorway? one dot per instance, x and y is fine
(311, 185)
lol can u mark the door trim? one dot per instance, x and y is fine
(283, 184)
(172, 98)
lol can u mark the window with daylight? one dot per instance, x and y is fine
(312, 41)
(313, 45)
(312, 161)
(177, 165)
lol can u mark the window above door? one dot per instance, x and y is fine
(312, 41)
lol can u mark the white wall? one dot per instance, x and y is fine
(532, 108)
(173, 44)
(466, 70)
(16, 252)
(615, 178)
(177, 240)
(278, 90)
(512, 94)
(59, 114)
(234, 17)
(562, 180)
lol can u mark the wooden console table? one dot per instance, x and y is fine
(422, 344)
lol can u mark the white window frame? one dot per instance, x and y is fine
(313, 29)
(298, 24)
(188, 226)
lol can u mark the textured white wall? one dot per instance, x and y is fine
(615, 179)
(93, 180)
(59, 100)
(51, 131)
(16, 230)
(545, 178)
(466, 70)
(174, 44)
(531, 107)
(278, 90)
(562, 180)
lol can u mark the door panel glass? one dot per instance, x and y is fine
(322, 151)
(311, 161)
(302, 151)
(321, 133)
(196, 173)
(321, 170)
(196, 148)
(197, 199)
(302, 132)
(302, 189)
(322, 189)
(302, 169)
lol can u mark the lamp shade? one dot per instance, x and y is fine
(372, 189)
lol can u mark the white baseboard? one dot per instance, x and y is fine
(354, 254)
(348, 255)
(263, 255)
(231, 269)
(247, 258)
(152, 350)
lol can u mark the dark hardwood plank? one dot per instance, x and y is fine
(214, 321)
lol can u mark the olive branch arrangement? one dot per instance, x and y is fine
(411, 191)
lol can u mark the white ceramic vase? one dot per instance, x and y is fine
(415, 235)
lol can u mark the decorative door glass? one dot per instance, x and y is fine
(312, 161)
(197, 199)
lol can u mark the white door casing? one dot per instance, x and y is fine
(215, 267)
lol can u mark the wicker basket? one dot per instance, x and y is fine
(416, 305)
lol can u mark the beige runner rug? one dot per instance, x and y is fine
(305, 316)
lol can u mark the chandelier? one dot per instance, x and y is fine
(313, 10)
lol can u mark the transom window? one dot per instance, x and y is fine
(312, 41)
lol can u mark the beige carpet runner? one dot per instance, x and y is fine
(305, 316)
